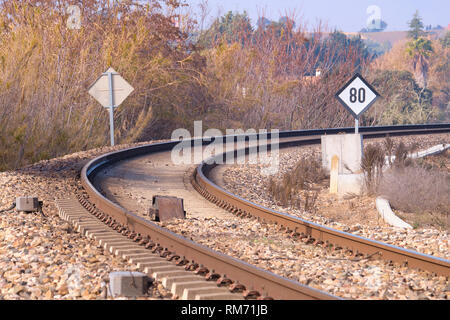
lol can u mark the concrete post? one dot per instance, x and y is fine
(341, 157)
(348, 148)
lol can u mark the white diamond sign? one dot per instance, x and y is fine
(357, 96)
(110, 89)
(100, 90)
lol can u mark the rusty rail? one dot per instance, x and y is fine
(313, 232)
(242, 276)
(239, 274)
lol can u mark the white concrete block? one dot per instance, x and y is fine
(350, 183)
(420, 154)
(431, 151)
(385, 211)
(128, 283)
(349, 149)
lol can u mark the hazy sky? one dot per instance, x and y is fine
(345, 15)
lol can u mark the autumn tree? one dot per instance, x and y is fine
(392, 73)
(439, 78)
(269, 81)
(402, 100)
(47, 68)
(445, 41)
(420, 51)
(232, 27)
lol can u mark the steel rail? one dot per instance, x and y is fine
(312, 231)
(252, 278)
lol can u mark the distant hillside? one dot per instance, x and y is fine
(381, 37)
(392, 36)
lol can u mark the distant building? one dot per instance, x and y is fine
(312, 79)
(318, 72)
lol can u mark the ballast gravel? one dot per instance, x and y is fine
(358, 215)
(335, 272)
(43, 257)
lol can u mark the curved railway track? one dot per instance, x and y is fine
(238, 275)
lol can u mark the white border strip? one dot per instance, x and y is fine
(420, 154)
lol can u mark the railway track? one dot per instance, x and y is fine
(224, 270)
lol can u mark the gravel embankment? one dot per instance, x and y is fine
(334, 272)
(264, 246)
(43, 258)
(357, 215)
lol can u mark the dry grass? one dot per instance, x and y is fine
(296, 188)
(372, 166)
(374, 160)
(46, 69)
(424, 192)
(412, 186)
(416, 186)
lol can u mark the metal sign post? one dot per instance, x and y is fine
(110, 90)
(357, 96)
(111, 107)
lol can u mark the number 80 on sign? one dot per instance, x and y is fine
(357, 96)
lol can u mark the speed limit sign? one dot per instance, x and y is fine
(357, 96)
